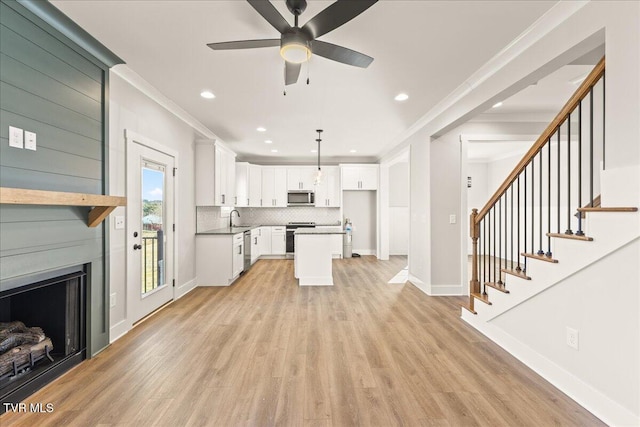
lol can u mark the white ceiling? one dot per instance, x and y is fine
(423, 48)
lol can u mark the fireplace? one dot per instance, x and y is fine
(57, 307)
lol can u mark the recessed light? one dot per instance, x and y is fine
(274, 151)
(352, 151)
(268, 141)
(207, 94)
(314, 151)
(401, 97)
(261, 129)
(497, 104)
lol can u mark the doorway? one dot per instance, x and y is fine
(150, 226)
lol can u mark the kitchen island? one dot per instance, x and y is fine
(312, 258)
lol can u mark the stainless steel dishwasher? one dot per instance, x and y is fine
(247, 250)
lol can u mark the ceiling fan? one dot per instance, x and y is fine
(297, 44)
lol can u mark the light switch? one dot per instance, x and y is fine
(30, 140)
(15, 137)
(452, 219)
(119, 222)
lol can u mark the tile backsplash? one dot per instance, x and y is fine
(210, 217)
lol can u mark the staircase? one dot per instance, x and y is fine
(544, 223)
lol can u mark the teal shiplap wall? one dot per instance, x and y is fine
(50, 86)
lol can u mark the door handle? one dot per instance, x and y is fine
(223, 199)
(137, 247)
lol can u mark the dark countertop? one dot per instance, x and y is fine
(243, 228)
(318, 231)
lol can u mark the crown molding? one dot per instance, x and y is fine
(135, 80)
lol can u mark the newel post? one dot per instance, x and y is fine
(474, 232)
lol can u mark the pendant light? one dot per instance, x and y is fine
(318, 180)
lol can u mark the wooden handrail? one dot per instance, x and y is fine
(571, 104)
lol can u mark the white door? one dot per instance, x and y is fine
(150, 210)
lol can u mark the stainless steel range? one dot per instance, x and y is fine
(291, 229)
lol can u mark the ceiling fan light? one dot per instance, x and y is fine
(296, 53)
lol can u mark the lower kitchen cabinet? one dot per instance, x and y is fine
(278, 240)
(256, 244)
(219, 258)
(265, 240)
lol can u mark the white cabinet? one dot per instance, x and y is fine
(336, 240)
(242, 185)
(360, 177)
(278, 240)
(265, 240)
(301, 178)
(255, 185)
(215, 174)
(328, 191)
(219, 258)
(238, 254)
(274, 187)
(256, 244)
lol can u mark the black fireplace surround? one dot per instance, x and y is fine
(58, 306)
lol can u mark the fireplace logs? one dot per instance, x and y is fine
(21, 347)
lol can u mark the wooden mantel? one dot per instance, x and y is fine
(102, 205)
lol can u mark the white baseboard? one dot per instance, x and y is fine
(118, 330)
(364, 251)
(591, 399)
(437, 290)
(185, 288)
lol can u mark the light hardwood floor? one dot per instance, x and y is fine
(266, 352)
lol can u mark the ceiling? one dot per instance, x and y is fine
(423, 48)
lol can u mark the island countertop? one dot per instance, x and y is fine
(300, 231)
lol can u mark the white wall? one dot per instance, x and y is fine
(360, 208)
(132, 110)
(618, 24)
(399, 208)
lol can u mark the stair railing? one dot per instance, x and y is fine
(551, 180)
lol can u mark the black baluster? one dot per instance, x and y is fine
(524, 226)
(489, 246)
(499, 241)
(506, 218)
(518, 269)
(591, 146)
(540, 251)
(559, 129)
(569, 176)
(579, 232)
(549, 194)
(533, 205)
(484, 260)
(511, 266)
(494, 244)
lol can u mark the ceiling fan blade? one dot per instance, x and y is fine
(341, 54)
(291, 72)
(244, 44)
(271, 14)
(338, 13)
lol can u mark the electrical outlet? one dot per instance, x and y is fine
(112, 301)
(118, 223)
(572, 338)
(29, 140)
(452, 219)
(16, 137)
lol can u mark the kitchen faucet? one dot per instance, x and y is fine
(231, 217)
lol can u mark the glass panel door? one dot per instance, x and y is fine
(153, 220)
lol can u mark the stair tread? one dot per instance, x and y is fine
(570, 236)
(500, 287)
(483, 298)
(608, 209)
(540, 257)
(519, 274)
(469, 309)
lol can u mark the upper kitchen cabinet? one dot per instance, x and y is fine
(274, 187)
(215, 174)
(301, 178)
(328, 191)
(242, 184)
(360, 177)
(255, 186)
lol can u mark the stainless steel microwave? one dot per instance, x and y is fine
(301, 198)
